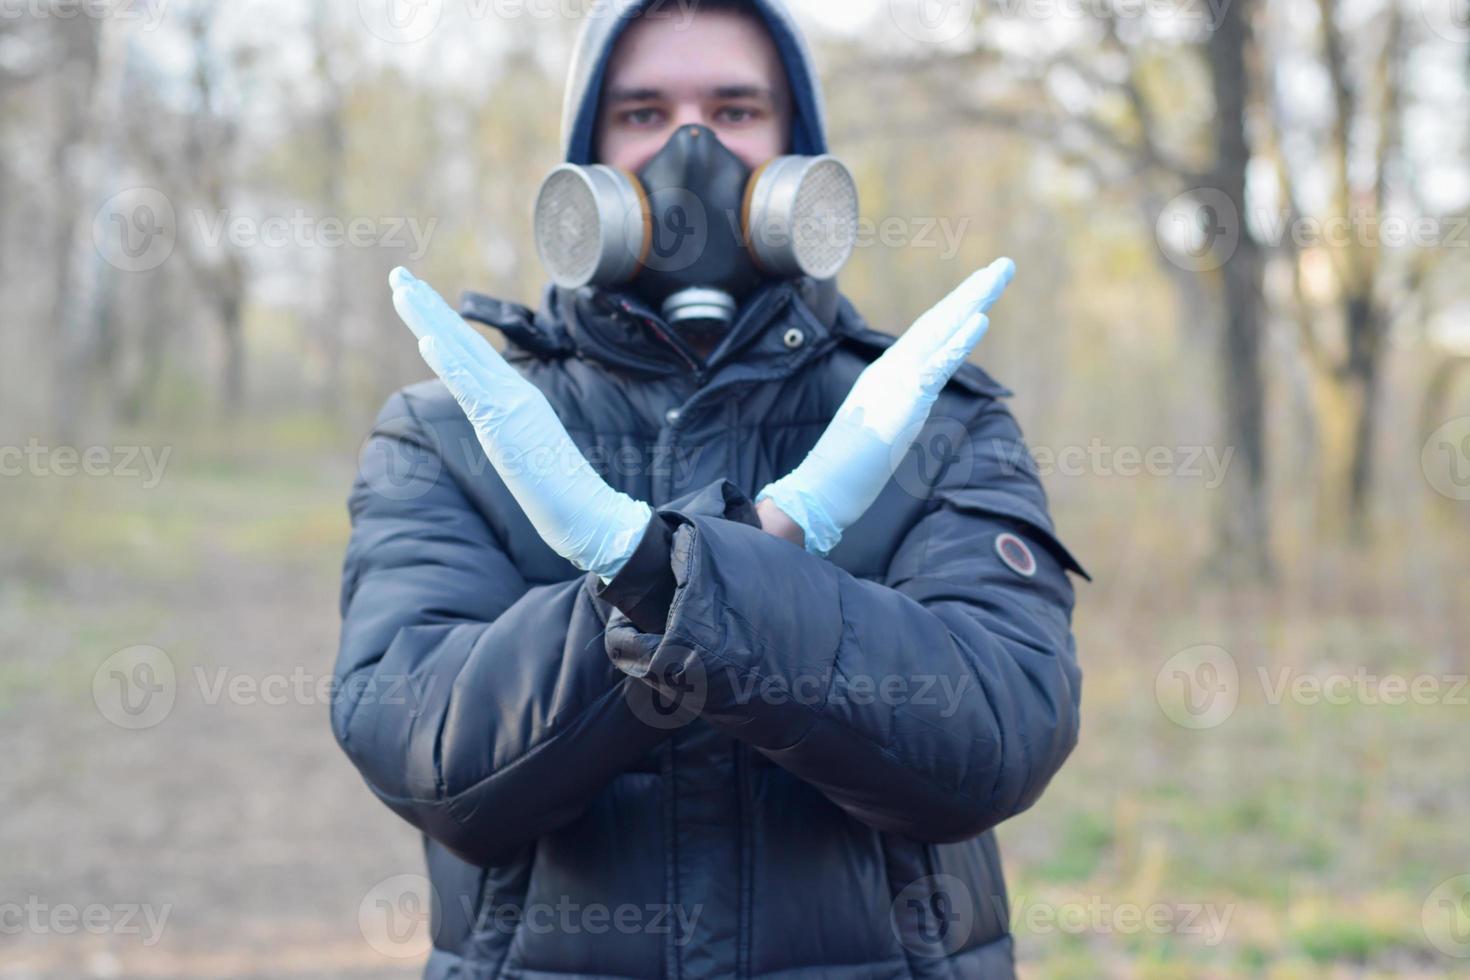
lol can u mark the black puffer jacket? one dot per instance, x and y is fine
(847, 729)
(737, 759)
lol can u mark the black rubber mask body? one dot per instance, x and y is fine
(696, 195)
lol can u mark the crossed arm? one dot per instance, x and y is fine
(596, 527)
(484, 762)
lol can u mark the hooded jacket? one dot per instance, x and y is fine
(736, 759)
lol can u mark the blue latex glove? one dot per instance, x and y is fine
(881, 416)
(577, 514)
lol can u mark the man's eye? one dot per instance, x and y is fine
(736, 114)
(646, 116)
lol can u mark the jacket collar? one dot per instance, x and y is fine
(619, 329)
(780, 327)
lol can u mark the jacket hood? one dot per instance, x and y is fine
(605, 23)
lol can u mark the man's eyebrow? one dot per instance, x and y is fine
(634, 95)
(744, 92)
(647, 94)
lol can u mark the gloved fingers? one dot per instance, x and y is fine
(448, 364)
(945, 361)
(429, 351)
(443, 363)
(507, 418)
(514, 421)
(428, 315)
(977, 294)
(422, 309)
(991, 281)
(572, 507)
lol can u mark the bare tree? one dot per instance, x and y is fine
(1124, 139)
(208, 159)
(78, 91)
(331, 125)
(1244, 516)
(199, 164)
(1343, 334)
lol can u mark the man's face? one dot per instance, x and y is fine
(719, 69)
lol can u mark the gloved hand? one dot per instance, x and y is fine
(584, 520)
(880, 417)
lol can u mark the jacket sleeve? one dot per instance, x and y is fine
(468, 698)
(934, 703)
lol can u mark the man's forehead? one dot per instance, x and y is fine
(713, 53)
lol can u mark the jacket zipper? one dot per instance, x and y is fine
(658, 331)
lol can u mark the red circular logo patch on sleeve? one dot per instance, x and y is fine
(1016, 554)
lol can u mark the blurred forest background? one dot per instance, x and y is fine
(1240, 342)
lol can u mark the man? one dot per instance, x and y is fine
(727, 641)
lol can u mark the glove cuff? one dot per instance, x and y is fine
(820, 533)
(644, 586)
(614, 553)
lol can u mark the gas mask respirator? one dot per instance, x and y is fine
(695, 230)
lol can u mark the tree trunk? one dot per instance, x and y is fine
(90, 80)
(1244, 517)
(232, 388)
(1364, 370)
